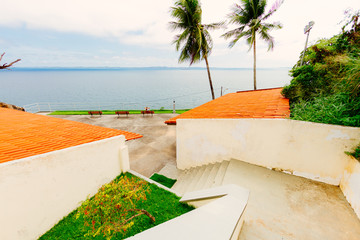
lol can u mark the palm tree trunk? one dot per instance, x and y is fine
(255, 63)
(208, 71)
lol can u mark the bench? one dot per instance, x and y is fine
(95, 113)
(122, 113)
(147, 112)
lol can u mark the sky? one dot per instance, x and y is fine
(119, 33)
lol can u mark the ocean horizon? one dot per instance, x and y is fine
(84, 88)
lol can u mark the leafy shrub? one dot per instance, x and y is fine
(112, 209)
(337, 109)
(304, 85)
(162, 205)
(327, 88)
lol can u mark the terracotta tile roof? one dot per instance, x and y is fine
(267, 103)
(25, 134)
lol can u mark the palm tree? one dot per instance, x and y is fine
(195, 38)
(250, 17)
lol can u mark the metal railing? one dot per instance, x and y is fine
(166, 103)
(76, 106)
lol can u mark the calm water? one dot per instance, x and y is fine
(127, 89)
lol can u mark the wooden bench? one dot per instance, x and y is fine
(147, 112)
(122, 113)
(95, 113)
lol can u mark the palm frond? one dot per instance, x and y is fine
(233, 32)
(247, 34)
(180, 38)
(273, 9)
(213, 26)
(264, 34)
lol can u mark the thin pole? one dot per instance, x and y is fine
(307, 38)
(254, 63)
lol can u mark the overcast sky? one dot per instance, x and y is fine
(119, 33)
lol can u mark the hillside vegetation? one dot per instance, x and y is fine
(326, 88)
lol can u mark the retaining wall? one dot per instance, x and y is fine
(36, 192)
(350, 184)
(311, 150)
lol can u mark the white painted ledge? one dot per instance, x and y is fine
(214, 221)
(230, 189)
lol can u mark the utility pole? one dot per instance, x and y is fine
(306, 31)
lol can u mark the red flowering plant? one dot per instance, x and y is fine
(112, 209)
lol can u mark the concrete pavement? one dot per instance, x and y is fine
(148, 154)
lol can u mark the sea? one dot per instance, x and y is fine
(49, 89)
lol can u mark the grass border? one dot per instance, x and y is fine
(163, 205)
(112, 112)
(163, 180)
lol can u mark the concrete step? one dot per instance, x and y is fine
(220, 174)
(212, 175)
(190, 178)
(192, 186)
(204, 178)
(184, 178)
(201, 177)
(169, 170)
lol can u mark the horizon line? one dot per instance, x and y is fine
(140, 68)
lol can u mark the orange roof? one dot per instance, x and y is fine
(25, 134)
(267, 103)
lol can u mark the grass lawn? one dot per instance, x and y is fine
(89, 222)
(167, 182)
(112, 112)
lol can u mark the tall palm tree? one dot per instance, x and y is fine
(195, 38)
(250, 17)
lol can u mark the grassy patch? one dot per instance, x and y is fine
(112, 112)
(162, 205)
(355, 153)
(338, 109)
(167, 182)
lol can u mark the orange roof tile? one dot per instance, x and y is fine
(25, 134)
(267, 103)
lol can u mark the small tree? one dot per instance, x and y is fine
(5, 65)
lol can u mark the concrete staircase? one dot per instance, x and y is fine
(201, 177)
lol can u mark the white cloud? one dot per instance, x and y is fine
(145, 23)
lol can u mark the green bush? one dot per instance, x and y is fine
(339, 109)
(326, 89)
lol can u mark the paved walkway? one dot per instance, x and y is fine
(148, 154)
(286, 207)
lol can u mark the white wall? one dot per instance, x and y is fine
(350, 184)
(312, 150)
(36, 192)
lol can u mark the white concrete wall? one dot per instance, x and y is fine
(36, 192)
(350, 184)
(312, 150)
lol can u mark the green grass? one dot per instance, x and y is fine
(112, 112)
(355, 153)
(159, 203)
(167, 182)
(338, 109)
